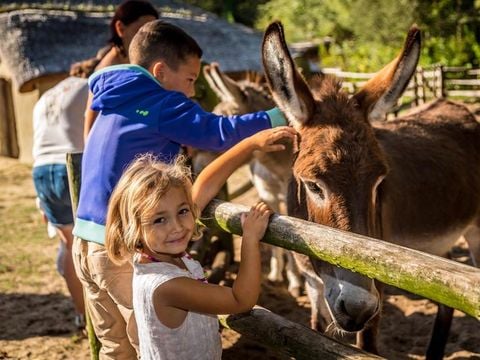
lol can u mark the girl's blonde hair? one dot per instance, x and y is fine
(138, 194)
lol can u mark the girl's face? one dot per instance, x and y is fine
(170, 227)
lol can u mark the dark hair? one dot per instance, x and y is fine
(85, 68)
(161, 40)
(128, 12)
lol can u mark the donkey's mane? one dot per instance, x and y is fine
(336, 105)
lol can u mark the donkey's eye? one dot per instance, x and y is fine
(315, 188)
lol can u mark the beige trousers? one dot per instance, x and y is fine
(108, 299)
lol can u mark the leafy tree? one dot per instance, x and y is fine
(363, 35)
(451, 31)
(242, 11)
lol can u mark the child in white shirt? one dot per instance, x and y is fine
(151, 218)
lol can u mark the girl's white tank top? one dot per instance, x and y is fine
(197, 338)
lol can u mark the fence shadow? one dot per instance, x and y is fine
(29, 315)
(406, 327)
(277, 299)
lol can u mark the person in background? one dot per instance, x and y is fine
(128, 18)
(58, 128)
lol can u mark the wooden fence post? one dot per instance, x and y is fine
(443, 90)
(290, 338)
(445, 281)
(415, 88)
(74, 169)
(422, 85)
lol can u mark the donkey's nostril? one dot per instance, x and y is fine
(353, 317)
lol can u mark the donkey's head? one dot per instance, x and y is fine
(340, 166)
(237, 97)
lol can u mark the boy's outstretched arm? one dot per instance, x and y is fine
(212, 178)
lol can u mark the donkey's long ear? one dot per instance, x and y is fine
(288, 87)
(224, 87)
(380, 94)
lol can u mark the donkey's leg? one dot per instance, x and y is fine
(443, 320)
(440, 331)
(367, 338)
(277, 264)
(293, 276)
(319, 317)
(441, 328)
(472, 236)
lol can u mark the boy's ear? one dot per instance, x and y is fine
(157, 69)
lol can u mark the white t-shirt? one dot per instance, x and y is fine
(58, 118)
(197, 338)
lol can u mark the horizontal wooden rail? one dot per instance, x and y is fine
(426, 84)
(348, 75)
(290, 338)
(463, 93)
(436, 278)
(467, 82)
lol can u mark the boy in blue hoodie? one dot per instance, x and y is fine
(143, 107)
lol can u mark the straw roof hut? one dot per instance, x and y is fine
(40, 41)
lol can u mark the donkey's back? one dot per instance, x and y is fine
(431, 195)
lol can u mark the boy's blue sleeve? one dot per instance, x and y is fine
(185, 122)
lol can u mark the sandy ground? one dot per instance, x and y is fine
(36, 316)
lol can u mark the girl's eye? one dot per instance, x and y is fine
(184, 211)
(160, 220)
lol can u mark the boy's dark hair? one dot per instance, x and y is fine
(161, 40)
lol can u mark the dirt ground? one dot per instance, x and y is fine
(36, 315)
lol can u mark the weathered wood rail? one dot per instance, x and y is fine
(290, 338)
(438, 279)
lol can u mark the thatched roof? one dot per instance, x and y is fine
(41, 39)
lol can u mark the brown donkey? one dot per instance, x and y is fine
(414, 181)
(270, 172)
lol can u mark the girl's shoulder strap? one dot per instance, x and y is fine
(194, 267)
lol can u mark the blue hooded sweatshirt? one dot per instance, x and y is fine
(137, 116)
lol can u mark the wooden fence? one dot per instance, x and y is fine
(445, 281)
(427, 84)
(436, 278)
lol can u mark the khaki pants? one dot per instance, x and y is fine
(108, 299)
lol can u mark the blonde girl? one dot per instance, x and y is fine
(151, 219)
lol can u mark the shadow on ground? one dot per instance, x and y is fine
(29, 315)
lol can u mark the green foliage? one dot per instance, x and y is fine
(242, 11)
(364, 35)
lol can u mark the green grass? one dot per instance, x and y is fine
(27, 255)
